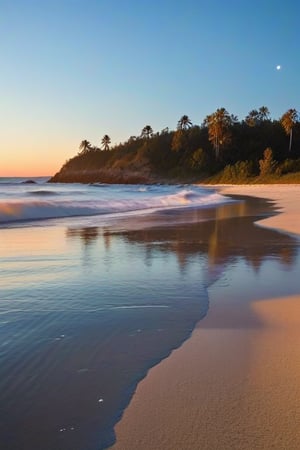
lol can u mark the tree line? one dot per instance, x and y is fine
(220, 145)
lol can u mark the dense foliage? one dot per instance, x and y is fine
(221, 149)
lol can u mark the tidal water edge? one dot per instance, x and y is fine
(87, 308)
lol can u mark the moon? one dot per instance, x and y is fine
(278, 67)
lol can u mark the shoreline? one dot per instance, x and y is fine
(234, 384)
(287, 219)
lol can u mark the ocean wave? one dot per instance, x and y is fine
(24, 210)
(99, 185)
(43, 193)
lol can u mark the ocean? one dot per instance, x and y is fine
(22, 201)
(101, 282)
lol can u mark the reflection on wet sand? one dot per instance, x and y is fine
(222, 234)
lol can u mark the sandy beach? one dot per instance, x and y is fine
(235, 384)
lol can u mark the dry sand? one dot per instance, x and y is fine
(228, 387)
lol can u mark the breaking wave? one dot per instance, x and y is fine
(12, 210)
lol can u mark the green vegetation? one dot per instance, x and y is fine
(222, 149)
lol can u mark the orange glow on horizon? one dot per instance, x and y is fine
(28, 158)
(30, 165)
(27, 171)
(26, 174)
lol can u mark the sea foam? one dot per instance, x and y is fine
(26, 204)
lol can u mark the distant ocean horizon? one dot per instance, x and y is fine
(36, 178)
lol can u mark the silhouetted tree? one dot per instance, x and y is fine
(147, 132)
(255, 117)
(234, 119)
(263, 113)
(85, 145)
(184, 123)
(105, 142)
(252, 118)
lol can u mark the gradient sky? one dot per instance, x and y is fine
(79, 69)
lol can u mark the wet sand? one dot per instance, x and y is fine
(235, 384)
(285, 196)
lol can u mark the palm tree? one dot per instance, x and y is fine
(147, 132)
(288, 120)
(257, 116)
(218, 124)
(84, 146)
(263, 113)
(105, 142)
(253, 118)
(184, 123)
(234, 119)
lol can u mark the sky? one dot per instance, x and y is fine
(79, 69)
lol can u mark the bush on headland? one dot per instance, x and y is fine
(220, 150)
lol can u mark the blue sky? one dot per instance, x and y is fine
(75, 69)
